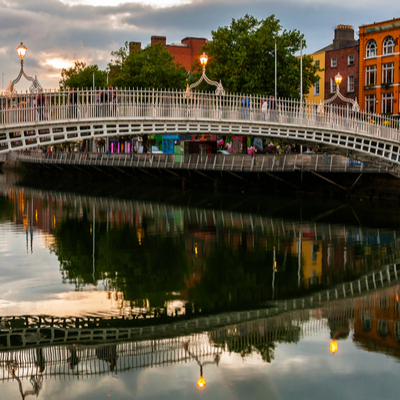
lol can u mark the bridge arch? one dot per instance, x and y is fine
(367, 136)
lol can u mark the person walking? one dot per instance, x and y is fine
(73, 103)
(245, 107)
(273, 108)
(105, 107)
(264, 109)
(40, 103)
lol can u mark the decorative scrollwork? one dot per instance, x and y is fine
(219, 90)
(35, 87)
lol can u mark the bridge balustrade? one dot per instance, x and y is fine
(206, 162)
(18, 109)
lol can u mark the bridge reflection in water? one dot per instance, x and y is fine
(372, 320)
(311, 280)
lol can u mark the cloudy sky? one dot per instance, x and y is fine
(58, 32)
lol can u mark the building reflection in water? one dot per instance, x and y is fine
(98, 243)
(160, 265)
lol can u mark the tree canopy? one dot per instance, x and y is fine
(81, 76)
(151, 67)
(242, 56)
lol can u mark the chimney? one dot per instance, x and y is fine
(134, 46)
(343, 34)
(158, 39)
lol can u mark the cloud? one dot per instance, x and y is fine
(89, 33)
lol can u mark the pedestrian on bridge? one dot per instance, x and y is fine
(73, 103)
(40, 103)
(273, 108)
(105, 107)
(245, 107)
(264, 109)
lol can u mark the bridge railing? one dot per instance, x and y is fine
(153, 104)
(208, 162)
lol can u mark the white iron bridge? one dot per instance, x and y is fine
(25, 124)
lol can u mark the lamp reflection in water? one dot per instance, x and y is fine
(201, 383)
(333, 347)
(36, 381)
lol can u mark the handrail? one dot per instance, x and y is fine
(217, 162)
(18, 109)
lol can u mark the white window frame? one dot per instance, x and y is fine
(333, 85)
(333, 62)
(350, 83)
(388, 73)
(317, 63)
(388, 45)
(350, 59)
(387, 103)
(316, 89)
(371, 49)
(370, 72)
(370, 103)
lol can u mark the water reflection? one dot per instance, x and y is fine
(155, 260)
(97, 287)
(372, 322)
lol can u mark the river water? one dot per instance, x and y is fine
(146, 293)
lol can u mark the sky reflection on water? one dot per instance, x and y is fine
(72, 257)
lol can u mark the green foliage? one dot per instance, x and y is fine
(146, 270)
(152, 67)
(81, 76)
(242, 56)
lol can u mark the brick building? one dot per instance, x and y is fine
(185, 52)
(342, 57)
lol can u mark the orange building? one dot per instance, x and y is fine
(379, 63)
(185, 52)
(377, 322)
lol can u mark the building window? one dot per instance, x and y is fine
(316, 89)
(333, 85)
(316, 63)
(383, 328)
(350, 59)
(333, 62)
(387, 103)
(388, 45)
(350, 83)
(370, 76)
(370, 101)
(371, 48)
(388, 73)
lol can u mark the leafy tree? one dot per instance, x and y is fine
(152, 67)
(242, 56)
(81, 76)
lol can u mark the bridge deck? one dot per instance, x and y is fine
(211, 162)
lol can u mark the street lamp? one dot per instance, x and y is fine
(203, 62)
(35, 87)
(21, 50)
(338, 81)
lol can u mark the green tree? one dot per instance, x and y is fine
(152, 67)
(242, 56)
(81, 76)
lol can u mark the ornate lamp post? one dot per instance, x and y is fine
(203, 62)
(35, 87)
(338, 81)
